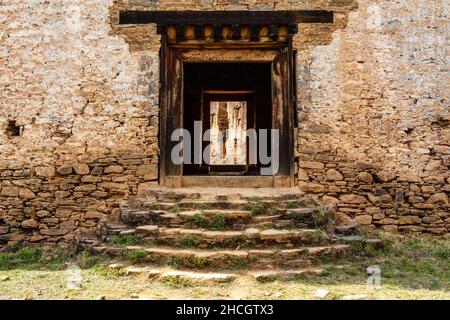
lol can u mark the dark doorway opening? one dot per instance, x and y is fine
(234, 96)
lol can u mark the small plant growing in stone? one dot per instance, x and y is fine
(111, 273)
(200, 221)
(203, 206)
(255, 207)
(87, 259)
(321, 217)
(197, 263)
(126, 240)
(175, 209)
(190, 241)
(174, 262)
(371, 251)
(176, 282)
(136, 256)
(241, 263)
(217, 223)
(317, 235)
(295, 204)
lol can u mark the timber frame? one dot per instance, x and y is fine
(232, 37)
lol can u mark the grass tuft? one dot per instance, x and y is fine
(126, 240)
(136, 256)
(190, 241)
(215, 223)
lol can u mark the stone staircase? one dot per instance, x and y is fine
(265, 233)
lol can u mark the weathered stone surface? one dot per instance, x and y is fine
(409, 177)
(93, 215)
(81, 168)
(353, 199)
(438, 198)
(86, 187)
(10, 192)
(432, 220)
(411, 228)
(114, 169)
(365, 177)
(46, 172)
(4, 229)
(302, 175)
(65, 170)
(96, 171)
(53, 232)
(30, 224)
(312, 165)
(67, 225)
(379, 199)
(386, 176)
(390, 228)
(364, 219)
(25, 193)
(149, 172)
(409, 220)
(388, 221)
(442, 149)
(334, 175)
(311, 187)
(42, 213)
(331, 201)
(151, 229)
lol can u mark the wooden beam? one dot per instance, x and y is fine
(225, 17)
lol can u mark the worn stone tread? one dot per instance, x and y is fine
(163, 273)
(266, 275)
(230, 213)
(241, 253)
(265, 218)
(296, 211)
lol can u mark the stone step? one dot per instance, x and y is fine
(272, 275)
(140, 216)
(159, 274)
(270, 264)
(265, 218)
(228, 214)
(178, 236)
(231, 215)
(198, 258)
(199, 277)
(214, 193)
(221, 203)
(156, 273)
(296, 212)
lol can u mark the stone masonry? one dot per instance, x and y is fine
(79, 112)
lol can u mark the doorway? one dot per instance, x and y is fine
(194, 80)
(227, 99)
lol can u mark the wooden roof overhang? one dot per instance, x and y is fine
(219, 27)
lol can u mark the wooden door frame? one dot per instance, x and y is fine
(171, 98)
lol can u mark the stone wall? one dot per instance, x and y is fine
(87, 109)
(79, 111)
(374, 135)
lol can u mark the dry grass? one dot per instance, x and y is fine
(412, 268)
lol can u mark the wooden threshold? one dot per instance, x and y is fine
(228, 181)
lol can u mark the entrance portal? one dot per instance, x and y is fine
(231, 37)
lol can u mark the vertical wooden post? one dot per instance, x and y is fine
(162, 108)
(283, 112)
(171, 108)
